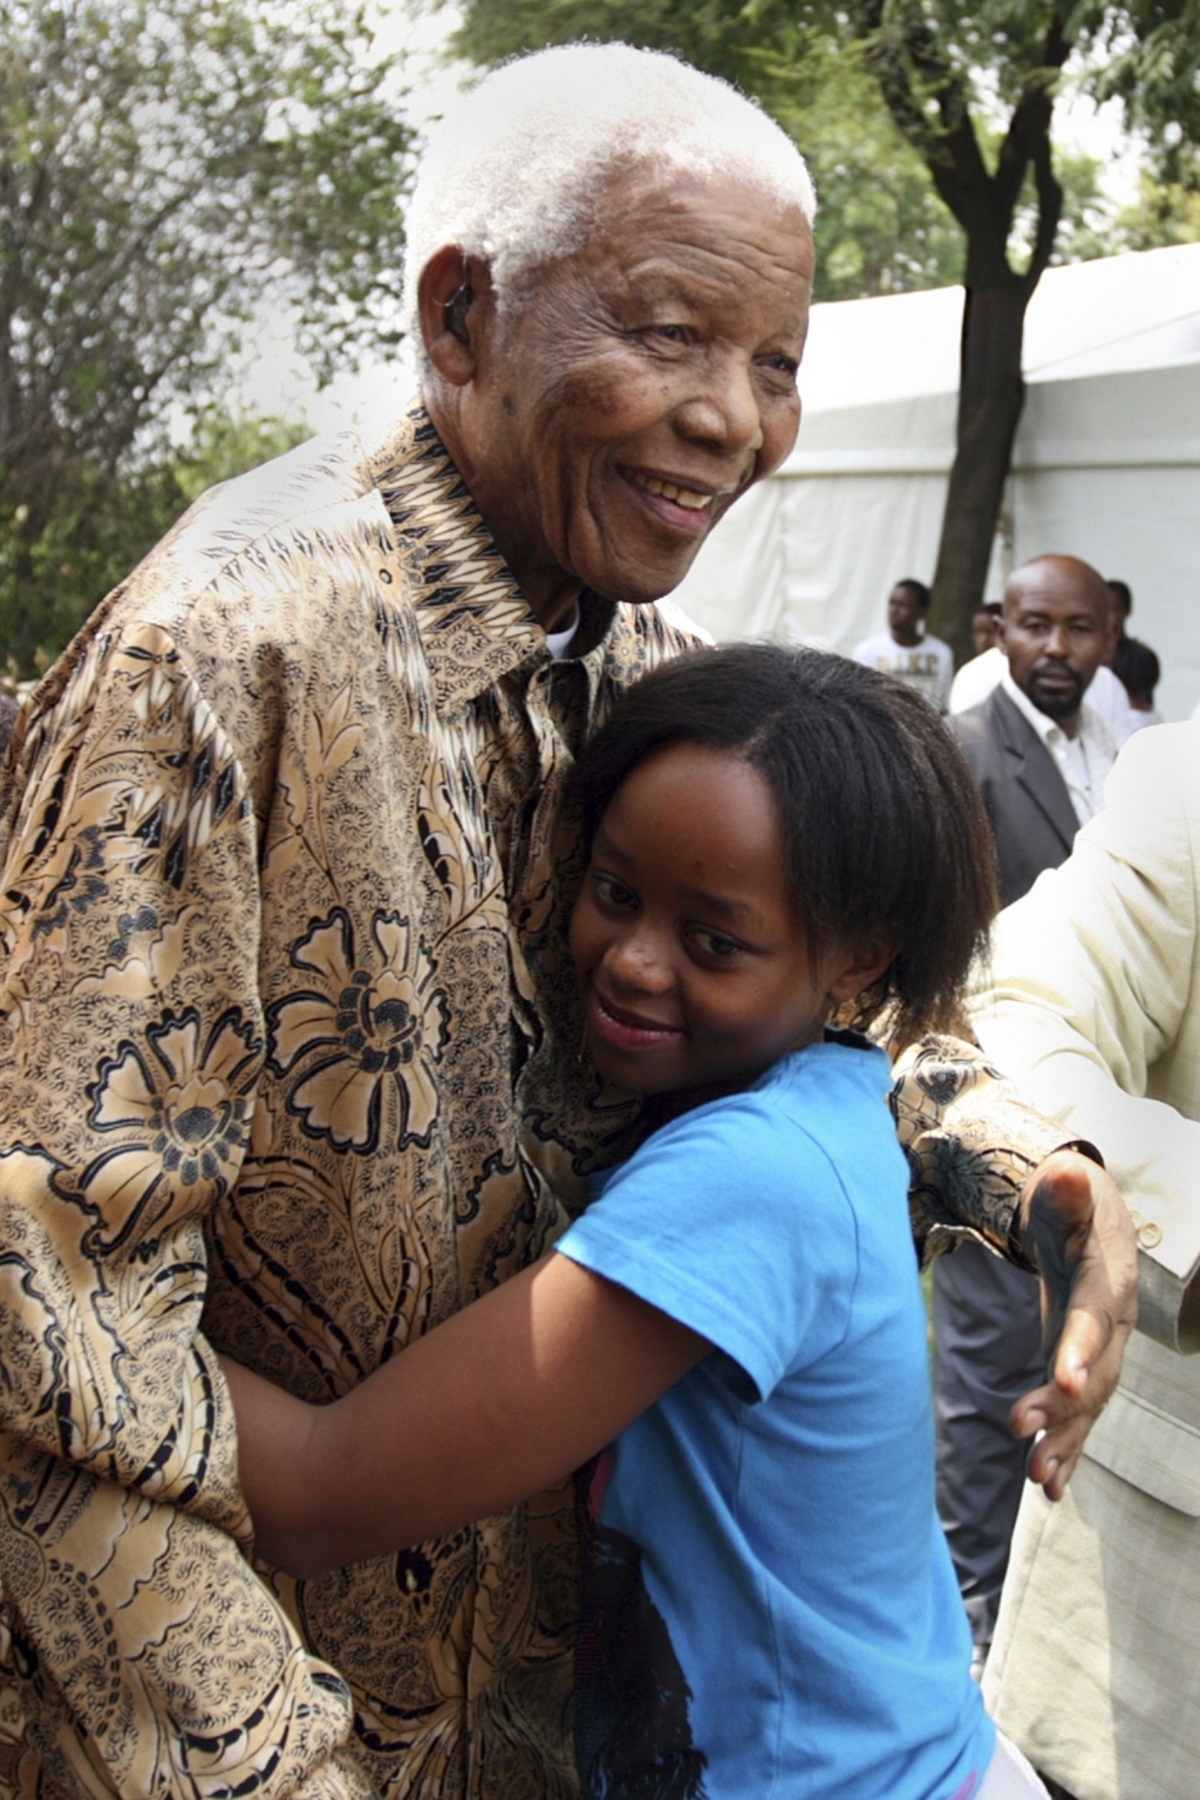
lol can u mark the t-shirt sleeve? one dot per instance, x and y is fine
(737, 1227)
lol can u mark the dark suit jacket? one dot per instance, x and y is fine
(1026, 797)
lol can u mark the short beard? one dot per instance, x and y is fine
(1058, 707)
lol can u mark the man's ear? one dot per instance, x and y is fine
(453, 294)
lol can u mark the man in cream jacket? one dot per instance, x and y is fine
(1093, 1004)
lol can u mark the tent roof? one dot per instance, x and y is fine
(1122, 313)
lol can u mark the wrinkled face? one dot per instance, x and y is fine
(694, 969)
(642, 385)
(1055, 632)
(905, 614)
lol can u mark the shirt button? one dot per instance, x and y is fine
(1150, 1235)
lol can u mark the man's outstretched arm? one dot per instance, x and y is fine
(984, 1163)
(1089, 1003)
(1076, 1230)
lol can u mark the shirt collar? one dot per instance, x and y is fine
(1042, 723)
(475, 624)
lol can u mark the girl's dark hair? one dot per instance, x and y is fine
(883, 828)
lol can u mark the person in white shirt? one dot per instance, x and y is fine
(1040, 755)
(905, 649)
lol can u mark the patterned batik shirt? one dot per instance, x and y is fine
(288, 1056)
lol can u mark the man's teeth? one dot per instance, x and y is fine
(680, 495)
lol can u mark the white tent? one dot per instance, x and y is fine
(1106, 464)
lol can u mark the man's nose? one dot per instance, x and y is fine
(726, 412)
(1058, 643)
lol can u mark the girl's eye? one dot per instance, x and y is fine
(716, 945)
(612, 893)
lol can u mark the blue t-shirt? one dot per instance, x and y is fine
(771, 1608)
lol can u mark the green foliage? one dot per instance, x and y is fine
(51, 577)
(886, 96)
(1164, 212)
(881, 227)
(1149, 56)
(165, 166)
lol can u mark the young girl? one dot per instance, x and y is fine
(778, 838)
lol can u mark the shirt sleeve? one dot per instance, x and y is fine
(736, 1229)
(971, 1144)
(131, 1042)
(1089, 1000)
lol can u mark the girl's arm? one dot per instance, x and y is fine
(505, 1399)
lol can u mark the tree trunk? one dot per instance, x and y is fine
(991, 395)
(930, 98)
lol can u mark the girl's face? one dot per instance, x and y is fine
(695, 969)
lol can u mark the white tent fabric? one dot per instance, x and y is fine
(1106, 464)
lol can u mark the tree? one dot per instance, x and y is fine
(165, 165)
(103, 526)
(1163, 211)
(968, 90)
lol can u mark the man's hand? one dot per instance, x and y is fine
(1074, 1225)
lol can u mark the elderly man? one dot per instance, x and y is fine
(288, 1031)
(1094, 999)
(1040, 756)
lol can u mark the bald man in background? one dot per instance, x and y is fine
(1040, 755)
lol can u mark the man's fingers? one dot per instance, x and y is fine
(1089, 1332)
(1052, 1463)
(1063, 1413)
(1053, 1457)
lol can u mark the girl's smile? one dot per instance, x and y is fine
(624, 1028)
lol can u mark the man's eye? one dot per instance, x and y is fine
(674, 334)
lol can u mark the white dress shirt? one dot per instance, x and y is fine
(1106, 695)
(1083, 760)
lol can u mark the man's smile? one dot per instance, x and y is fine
(694, 499)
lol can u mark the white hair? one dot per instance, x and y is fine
(513, 170)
